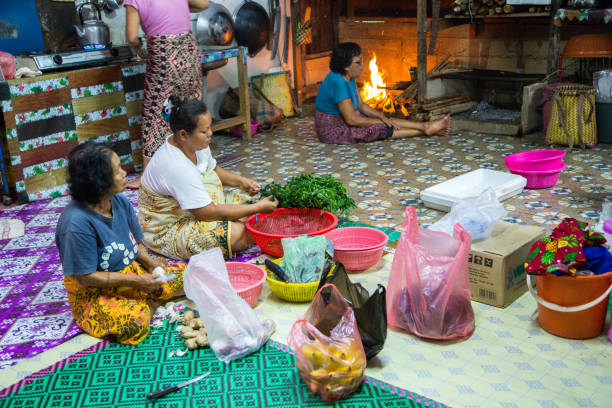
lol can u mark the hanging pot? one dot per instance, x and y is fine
(252, 26)
(214, 26)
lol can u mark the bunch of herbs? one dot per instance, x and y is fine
(311, 191)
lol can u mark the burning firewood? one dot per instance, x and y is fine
(374, 92)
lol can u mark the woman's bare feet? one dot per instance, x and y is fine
(440, 127)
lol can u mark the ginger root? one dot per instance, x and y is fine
(197, 324)
(193, 331)
(201, 340)
(191, 344)
(189, 333)
(188, 316)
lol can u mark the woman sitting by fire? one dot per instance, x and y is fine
(341, 117)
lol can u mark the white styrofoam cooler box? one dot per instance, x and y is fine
(442, 196)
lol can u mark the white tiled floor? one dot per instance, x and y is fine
(508, 362)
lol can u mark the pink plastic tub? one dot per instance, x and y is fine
(546, 160)
(247, 280)
(540, 178)
(358, 248)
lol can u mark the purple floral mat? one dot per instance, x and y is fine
(34, 312)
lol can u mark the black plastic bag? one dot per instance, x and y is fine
(370, 311)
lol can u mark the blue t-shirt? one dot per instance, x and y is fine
(88, 241)
(333, 90)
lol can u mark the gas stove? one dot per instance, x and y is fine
(82, 58)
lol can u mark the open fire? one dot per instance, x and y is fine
(374, 91)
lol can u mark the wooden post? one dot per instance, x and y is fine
(350, 9)
(243, 86)
(421, 50)
(298, 56)
(552, 62)
(435, 26)
(520, 51)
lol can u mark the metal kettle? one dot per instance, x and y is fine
(93, 33)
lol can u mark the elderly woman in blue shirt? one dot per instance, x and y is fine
(341, 117)
(108, 273)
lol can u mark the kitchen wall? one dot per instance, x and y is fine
(495, 46)
(220, 79)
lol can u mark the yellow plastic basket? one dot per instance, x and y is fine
(292, 292)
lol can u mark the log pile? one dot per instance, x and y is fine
(437, 108)
(484, 8)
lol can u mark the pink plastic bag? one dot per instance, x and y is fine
(8, 65)
(327, 346)
(429, 287)
(610, 329)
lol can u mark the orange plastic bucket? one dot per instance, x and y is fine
(572, 307)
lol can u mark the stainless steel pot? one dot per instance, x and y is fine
(214, 25)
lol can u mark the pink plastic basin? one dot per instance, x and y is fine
(539, 178)
(547, 160)
(358, 248)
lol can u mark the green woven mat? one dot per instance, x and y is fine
(120, 376)
(392, 234)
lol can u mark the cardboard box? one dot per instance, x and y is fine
(496, 265)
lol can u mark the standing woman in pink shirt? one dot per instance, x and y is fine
(172, 58)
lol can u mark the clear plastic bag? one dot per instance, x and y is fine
(303, 258)
(327, 346)
(477, 215)
(428, 292)
(232, 326)
(602, 82)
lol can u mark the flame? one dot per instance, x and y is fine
(374, 91)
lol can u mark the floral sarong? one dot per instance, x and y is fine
(562, 253)
(173, 68)
(121, 313)
(178, 234)
(334, 130)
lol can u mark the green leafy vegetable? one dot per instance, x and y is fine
(310, 191)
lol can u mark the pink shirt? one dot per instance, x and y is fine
(162, 16)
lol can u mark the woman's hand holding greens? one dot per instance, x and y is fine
(249, 186)
(267, 205)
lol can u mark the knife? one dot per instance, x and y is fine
(276, 270)
(165, 391)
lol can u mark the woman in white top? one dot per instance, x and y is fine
(183, 208)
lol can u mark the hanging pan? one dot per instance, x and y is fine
(251, 26)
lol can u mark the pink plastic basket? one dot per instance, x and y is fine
(540, 178)
(247, 279)
(358, 248)
(533, 160)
